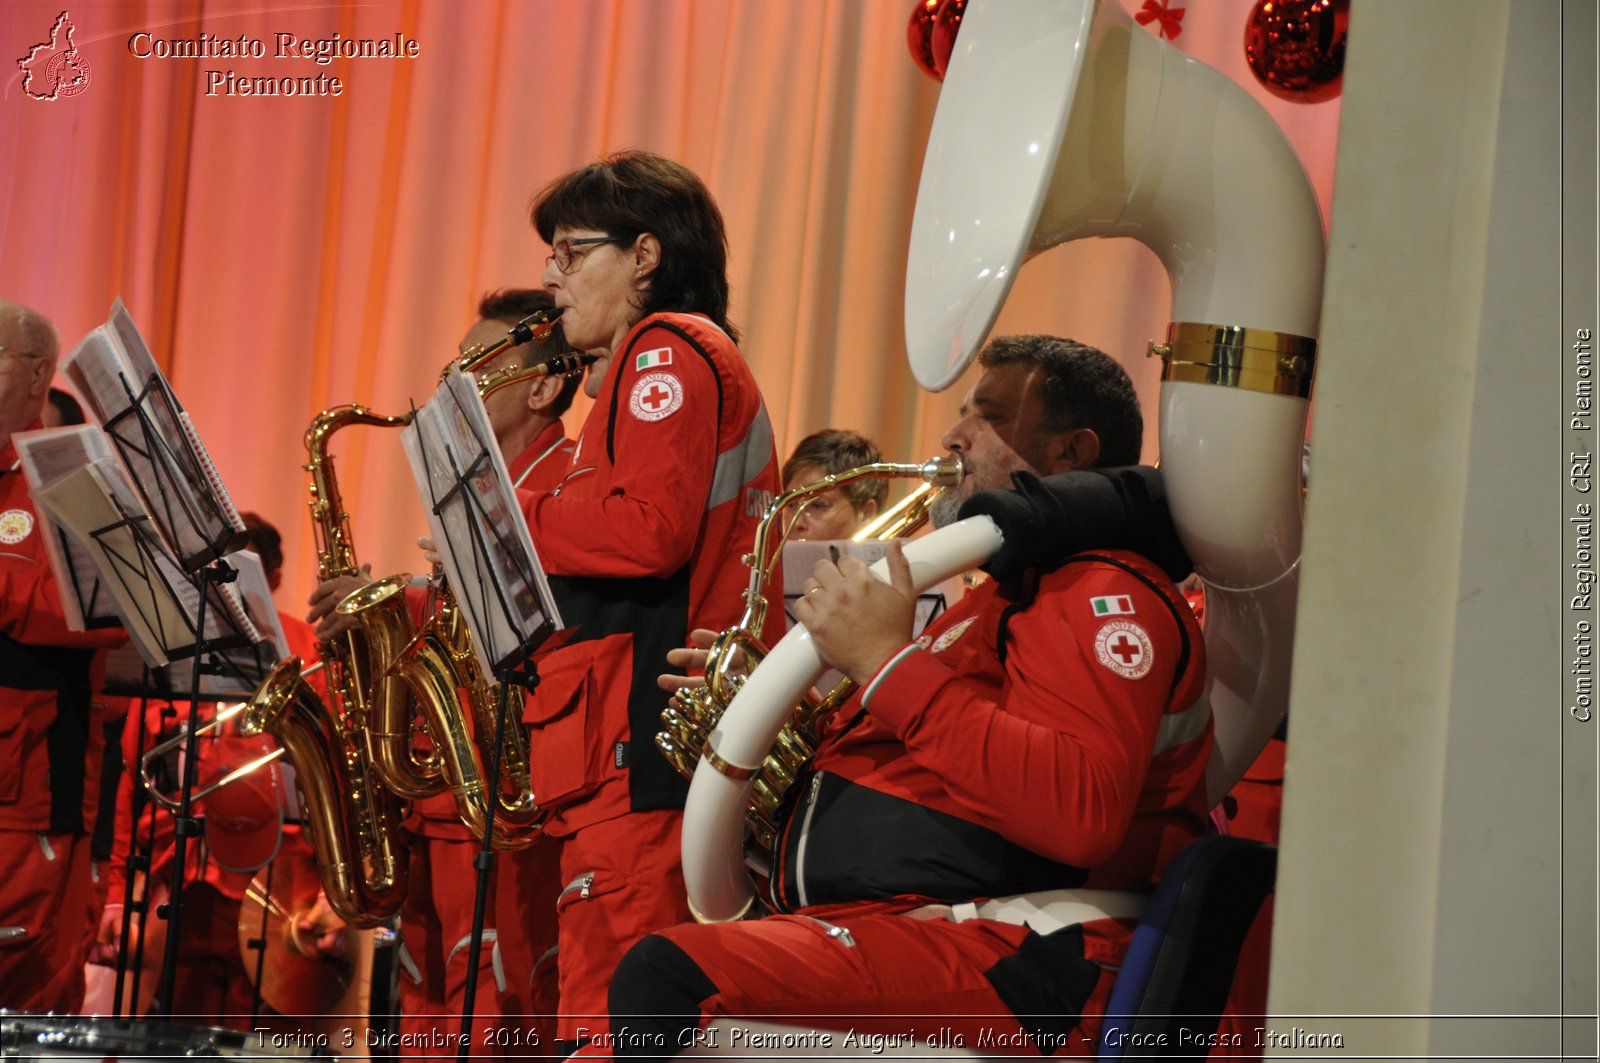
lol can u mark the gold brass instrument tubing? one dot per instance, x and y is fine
(148, 757)
(687, 729)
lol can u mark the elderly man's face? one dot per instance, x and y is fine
(24, 379)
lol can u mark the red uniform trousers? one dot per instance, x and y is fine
(47, 893)
(899, 981)
(624, 879)
(435, 938)
(527, 884)
(515, 999)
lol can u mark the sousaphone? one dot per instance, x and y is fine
(1061, 120)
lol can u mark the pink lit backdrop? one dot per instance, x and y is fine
(286, 254)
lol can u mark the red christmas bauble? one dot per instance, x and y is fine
(946, 24)
(919, 37)
(1295, 48)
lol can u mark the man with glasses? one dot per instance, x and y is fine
(50, 748)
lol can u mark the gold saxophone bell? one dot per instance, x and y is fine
(353, 824)
(459, 710)
(738, 651)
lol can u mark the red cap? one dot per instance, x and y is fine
(244, 819)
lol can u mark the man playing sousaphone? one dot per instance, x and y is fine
(1039, 736)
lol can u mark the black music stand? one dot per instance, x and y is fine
(180, 492)
(148, 586)
(464, 474)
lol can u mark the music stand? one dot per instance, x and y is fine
(153, 595)
(168, 464)
(492, 566)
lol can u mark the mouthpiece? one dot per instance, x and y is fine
(944, 472)
(537, 326)
(555, 365)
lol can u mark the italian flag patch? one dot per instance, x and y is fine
(652, 359)
(1112, 605)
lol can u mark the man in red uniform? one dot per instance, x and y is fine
(50, 747)
(673, 469)
(1039, 736)
(517, 962)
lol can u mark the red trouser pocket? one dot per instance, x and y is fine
(564, 715)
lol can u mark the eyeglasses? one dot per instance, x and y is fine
(18, 354)
(561, 254)
(815, 508)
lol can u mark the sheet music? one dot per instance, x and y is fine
(126, 393)
(256, 594)
(208, 469)
(152, 595)
(47, 455)
(474, 518)
(244, 667)
(800, 557)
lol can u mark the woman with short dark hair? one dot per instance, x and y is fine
(674, 470)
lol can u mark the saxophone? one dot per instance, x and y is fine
(438, 666)
(737, 650)
(357, 761)
(352, 820)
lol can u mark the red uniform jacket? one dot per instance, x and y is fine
(1051, 738)
(50, 748)
(673, 470)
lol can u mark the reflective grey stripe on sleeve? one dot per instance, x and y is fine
(1179, 727)
(742, 462)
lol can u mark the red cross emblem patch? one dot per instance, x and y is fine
(655, 396)
(1124, 647)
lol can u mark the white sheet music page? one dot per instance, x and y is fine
(154, 597)
(255, 594)
(81, 503)
(125, 391)
(47, 455)
(489, 557)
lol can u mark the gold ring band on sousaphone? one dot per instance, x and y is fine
(690, 728)
(356, 758)
(1253, 359)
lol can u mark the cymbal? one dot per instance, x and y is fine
(295, 978)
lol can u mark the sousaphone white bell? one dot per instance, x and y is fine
(1062, 119)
